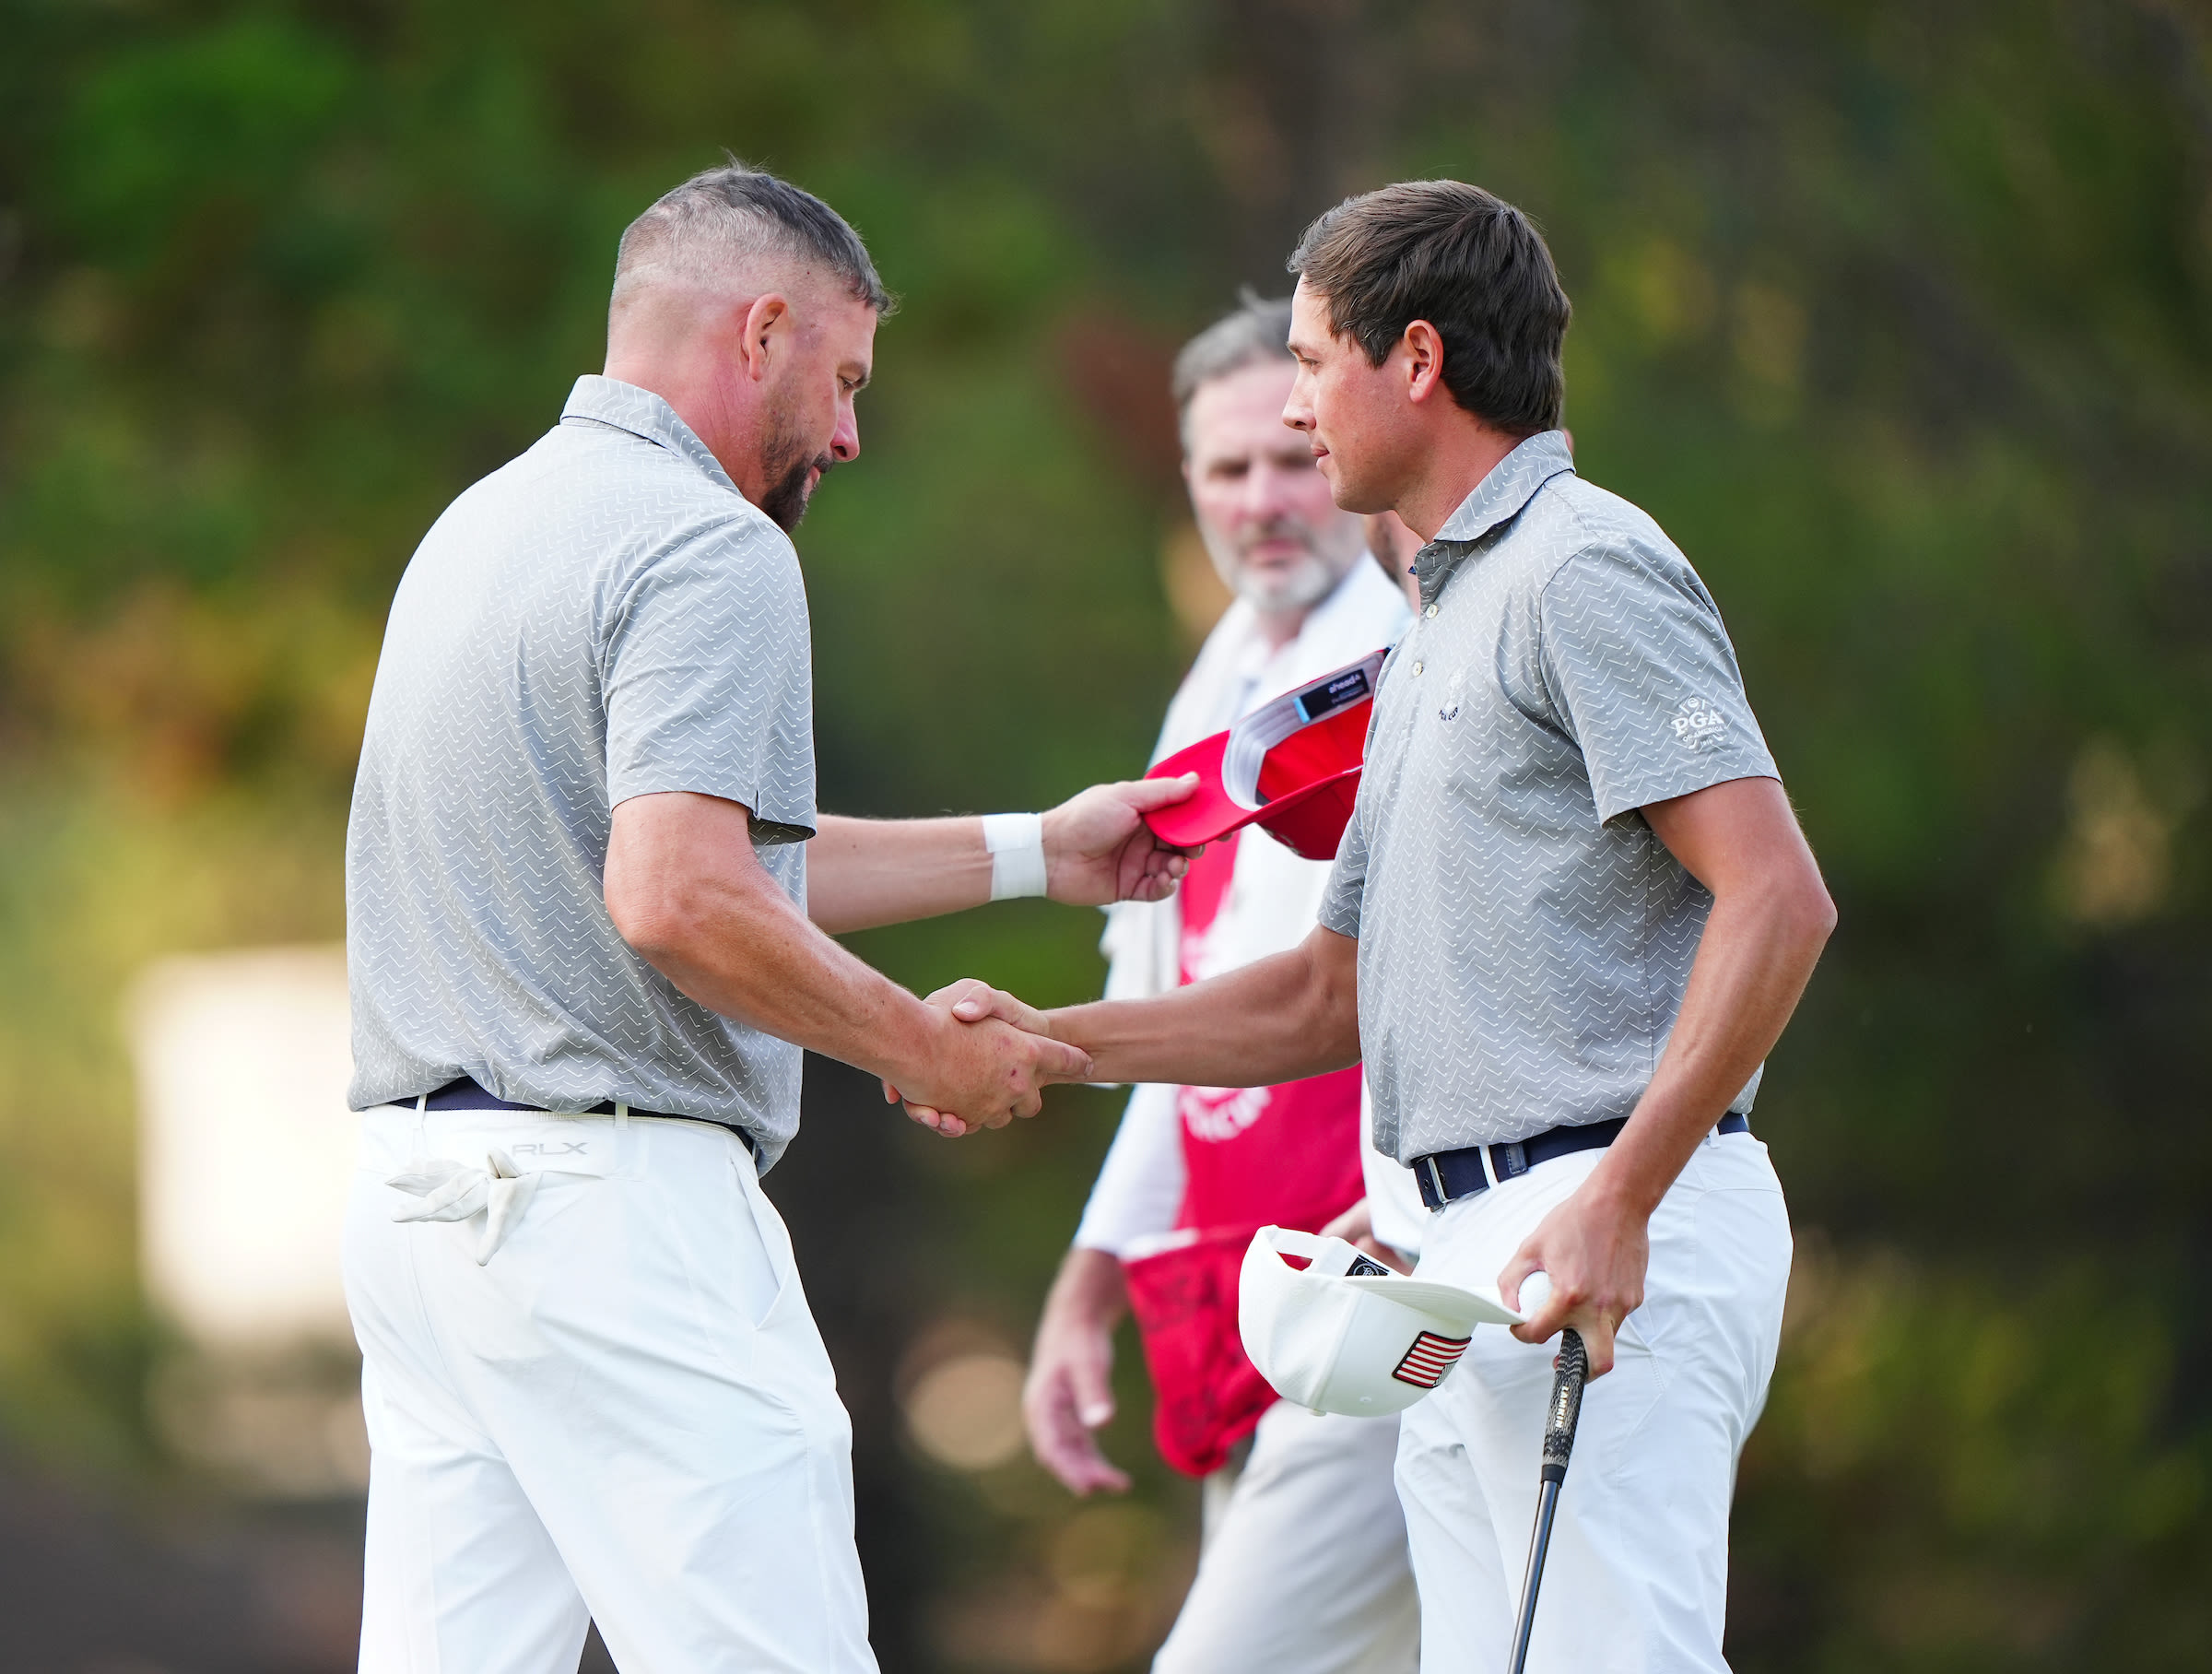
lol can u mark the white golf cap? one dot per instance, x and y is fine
(1340, 1335)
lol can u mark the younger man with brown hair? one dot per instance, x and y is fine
(1571, 914)
(1304, 1569)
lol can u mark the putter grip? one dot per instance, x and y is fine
(1573, 1368)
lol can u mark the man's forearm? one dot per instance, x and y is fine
(1278, 1019)
(1089, 1290)
(1758, 952)
(686, 890)
(1092, 849)
(751, 955)
(864, 873)
(1770, 916)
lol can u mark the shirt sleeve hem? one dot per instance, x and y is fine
(765, 810)
(1722, 771)
(1344, 921)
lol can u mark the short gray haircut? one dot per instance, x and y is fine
(724, 216)
(1258, 330)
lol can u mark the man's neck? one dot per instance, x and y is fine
(1278, 627)
(1460, 456)
(703, 401)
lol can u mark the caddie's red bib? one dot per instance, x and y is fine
(1253, 1156)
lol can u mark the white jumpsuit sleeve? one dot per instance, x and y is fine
(1139, 1188)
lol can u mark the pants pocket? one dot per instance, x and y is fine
(761, 1267)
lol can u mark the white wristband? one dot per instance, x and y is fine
(1016, 844)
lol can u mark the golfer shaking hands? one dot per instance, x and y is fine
(1570, 915)
(587, 892)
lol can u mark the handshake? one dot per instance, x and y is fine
(987, 1057)
(995, 1056)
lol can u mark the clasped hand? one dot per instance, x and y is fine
(994, 1055)
(1006, 1059)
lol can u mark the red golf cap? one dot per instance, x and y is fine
(1290, 767)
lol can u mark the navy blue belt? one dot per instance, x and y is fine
(1444, 1177)
(468, 1093)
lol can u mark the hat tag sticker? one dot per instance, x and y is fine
(1269, 725)
(1291, 766)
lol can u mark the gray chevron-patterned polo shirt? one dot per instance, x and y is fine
(603, 617)
(1525, 938)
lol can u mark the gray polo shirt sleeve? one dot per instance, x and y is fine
(1347, 879)
(1640, 671)
(707, 677)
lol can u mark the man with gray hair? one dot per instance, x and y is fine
(1304, 1568)
(590, 904)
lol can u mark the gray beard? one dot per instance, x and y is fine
(1312, 580)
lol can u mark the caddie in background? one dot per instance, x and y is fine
(1304, 1568)
(1570, 915)
(588, 901)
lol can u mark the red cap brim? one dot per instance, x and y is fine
(1309, 781)
(1210, 811)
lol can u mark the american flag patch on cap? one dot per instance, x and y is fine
(1430, 1358)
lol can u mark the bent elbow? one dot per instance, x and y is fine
(660, 925)
(1814, 913)
(1327, 1018)
(1792, 909)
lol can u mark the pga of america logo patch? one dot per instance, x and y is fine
(1699, 726)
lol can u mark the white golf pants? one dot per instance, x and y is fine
(625, 1412)
(1638, 1577)
(1304, 1570)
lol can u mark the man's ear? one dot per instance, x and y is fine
(766, 320)
(1423, 347)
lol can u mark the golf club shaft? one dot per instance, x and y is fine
(1572, 1369)
(1548, 1502)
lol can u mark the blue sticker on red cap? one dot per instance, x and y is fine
(1332, 694)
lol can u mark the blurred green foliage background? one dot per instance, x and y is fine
(1899, 317)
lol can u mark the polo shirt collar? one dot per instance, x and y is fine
(1498, 498)
(641, 412)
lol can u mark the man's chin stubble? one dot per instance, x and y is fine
(786, 503)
